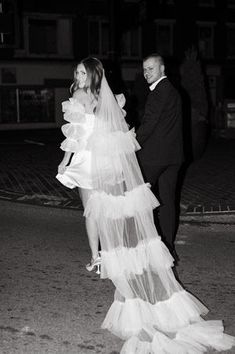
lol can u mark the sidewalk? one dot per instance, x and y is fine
(208, 191)
(28, 165)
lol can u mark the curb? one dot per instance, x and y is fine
(212, 218)
(44, 200)
(210, 209)
(186, 216)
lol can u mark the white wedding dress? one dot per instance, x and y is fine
(77, 132)
(151, 311)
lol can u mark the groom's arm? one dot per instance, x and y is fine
(155, 104)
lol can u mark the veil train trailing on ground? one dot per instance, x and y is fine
(151, 311)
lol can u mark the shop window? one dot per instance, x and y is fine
(8, 105)
(229, 109)
(36, 105)
(26, 105)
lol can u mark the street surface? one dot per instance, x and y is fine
(51, 304)
(28, 170)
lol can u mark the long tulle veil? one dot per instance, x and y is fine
(151, 310)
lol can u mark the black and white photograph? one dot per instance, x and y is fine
(117, 177)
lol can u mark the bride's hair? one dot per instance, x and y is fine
(94, 69)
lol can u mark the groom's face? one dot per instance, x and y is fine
(152, 70)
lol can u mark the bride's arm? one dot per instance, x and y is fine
(80, 96)
(64, 162)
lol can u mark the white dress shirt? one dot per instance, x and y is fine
(154, 84)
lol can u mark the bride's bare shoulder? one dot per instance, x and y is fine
(80, 95)
(83, 98)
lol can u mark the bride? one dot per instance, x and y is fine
(151, 311)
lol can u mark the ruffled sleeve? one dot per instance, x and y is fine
(121, 100)
(74, 131)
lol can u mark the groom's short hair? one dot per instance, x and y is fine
(155, 56)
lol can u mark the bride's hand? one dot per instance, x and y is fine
(61, 169)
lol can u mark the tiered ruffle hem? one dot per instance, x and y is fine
(151, 311)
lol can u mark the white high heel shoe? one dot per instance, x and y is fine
(94, 264)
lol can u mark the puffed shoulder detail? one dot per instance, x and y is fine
(74, 111)
(73, 104)
(121, 100)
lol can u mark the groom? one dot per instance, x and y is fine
(160, 136)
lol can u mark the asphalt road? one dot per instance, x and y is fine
(51, 304)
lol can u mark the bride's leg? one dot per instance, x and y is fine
(91, 226)
(93, 237)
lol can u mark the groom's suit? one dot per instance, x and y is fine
(160, 136)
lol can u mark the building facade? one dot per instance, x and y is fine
(41, 41)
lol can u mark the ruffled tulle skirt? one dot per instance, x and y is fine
(151, 311)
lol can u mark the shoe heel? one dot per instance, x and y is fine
(98, 269)
(90, 267)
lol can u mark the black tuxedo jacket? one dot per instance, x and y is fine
(160, 131)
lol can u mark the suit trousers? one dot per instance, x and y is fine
(163, 180)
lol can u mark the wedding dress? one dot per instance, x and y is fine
(77, 132)
(151, 311)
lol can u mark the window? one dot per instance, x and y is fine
(164, 37)
(8, 105)
(206, 3)
(47, 35)
(229, 107)
(167, 2)
(131, 43)
(8, 24)
(8, 75)
(231, 40)
(26, 105)
(99, 37)
(231, 3)
(42, 36)
(36, 105)
(206, 39)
